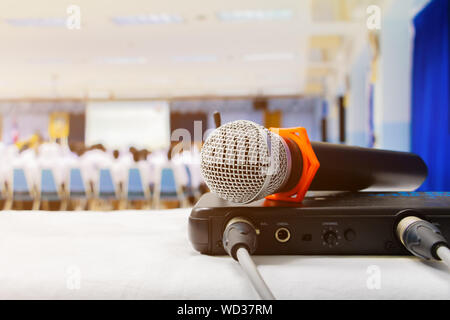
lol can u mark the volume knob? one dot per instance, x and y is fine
(330, 238)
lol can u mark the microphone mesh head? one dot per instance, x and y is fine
(242, 161)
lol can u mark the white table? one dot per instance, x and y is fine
(147, 255)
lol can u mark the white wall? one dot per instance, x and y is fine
(393, 87)
(356, 113)
(392, 95)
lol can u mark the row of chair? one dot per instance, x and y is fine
(81, 194)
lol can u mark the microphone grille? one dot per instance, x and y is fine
(242, 161)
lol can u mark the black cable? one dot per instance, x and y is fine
(239, 241)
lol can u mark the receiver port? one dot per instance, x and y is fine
(282, 235)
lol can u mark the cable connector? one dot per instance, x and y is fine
(239, 241)
(421, 237)
(239, 233)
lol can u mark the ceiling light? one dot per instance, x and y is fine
(144, 19)
(270, 56)
(37, 22)
(122, 60)
(47, 61)
(249, 15)
(195, 58)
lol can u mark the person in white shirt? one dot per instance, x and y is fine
(146, 170)
(92, 161)
(26, 161)
(3, 166)
(160, 162)
(119, 168)
(50, 156)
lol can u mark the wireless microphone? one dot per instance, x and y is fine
(242, 161)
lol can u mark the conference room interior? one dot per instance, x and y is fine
(105, 107)
(110, 111)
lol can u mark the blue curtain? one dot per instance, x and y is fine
(430, 98)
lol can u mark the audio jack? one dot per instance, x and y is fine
(423, 239)
(239, 241)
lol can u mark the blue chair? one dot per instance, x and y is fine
(3, 195)
(2, 190)
(135, 187)
(77, 188)
(21, 190)
(106, 187)
(49, 190)
(168, 190)
(189, 188)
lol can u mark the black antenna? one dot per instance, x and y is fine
(217, 119)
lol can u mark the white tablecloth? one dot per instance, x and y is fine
(147, 255)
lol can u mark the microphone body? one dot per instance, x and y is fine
(347, 168)
(242, 161)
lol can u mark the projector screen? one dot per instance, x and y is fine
(119, 125)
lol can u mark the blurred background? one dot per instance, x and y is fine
(105, 104)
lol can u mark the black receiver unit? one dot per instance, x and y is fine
(323, 224)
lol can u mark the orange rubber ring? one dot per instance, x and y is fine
(310, 164)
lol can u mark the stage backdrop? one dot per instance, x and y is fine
(124, 124)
